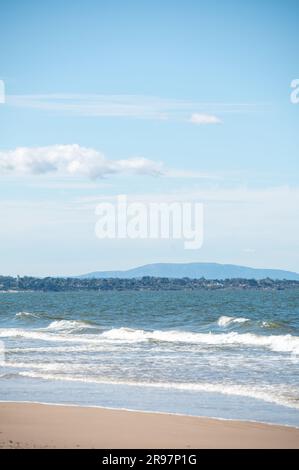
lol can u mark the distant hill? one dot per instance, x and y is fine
(195, 271)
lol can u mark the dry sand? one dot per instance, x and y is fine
(26, 425)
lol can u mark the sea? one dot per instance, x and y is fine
(227, 353)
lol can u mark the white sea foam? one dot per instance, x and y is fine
(42, 336)
(81, 347)
(279, 395)
(51, 366)
(10, 291)
(27, 315)
(58, 324)
(227, 321)
(271, 324)
(65, 325)
(283, 343)
(279, 343)
(44, 366)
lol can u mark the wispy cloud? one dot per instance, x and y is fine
(72, 160)
(190, 174)
(133, 106)
(198, 118)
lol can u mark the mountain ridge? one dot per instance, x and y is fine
(195, 271)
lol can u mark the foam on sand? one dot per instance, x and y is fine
(279, 395)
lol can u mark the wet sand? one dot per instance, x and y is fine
(28, 425)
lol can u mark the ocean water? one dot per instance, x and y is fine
(227, 353)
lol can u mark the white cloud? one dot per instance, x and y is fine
(72, 160)
(198, 118)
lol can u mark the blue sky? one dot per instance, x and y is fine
(135, 80)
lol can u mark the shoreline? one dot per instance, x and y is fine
(133, 410)
(40, 425)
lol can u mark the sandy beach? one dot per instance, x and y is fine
(26, 425)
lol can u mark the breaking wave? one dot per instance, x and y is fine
(70, 325)
(27, 315)
(283, 343)
(282, 396)
(69, 331)
(227, 321)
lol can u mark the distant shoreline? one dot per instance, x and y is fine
(146, 283)
(31, 425)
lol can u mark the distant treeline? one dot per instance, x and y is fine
(145, 283)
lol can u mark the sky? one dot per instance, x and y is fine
(161, 101)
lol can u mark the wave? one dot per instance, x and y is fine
(227, 321)
(73, 326)
(27, 315)
(9, 375)
(56, 323)
(48, 366)
(283, 396)
(279, 343)
(272, 324)
(42, 336)
(11, 291)
(70, 325)
(283, 343)
(79, 348)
